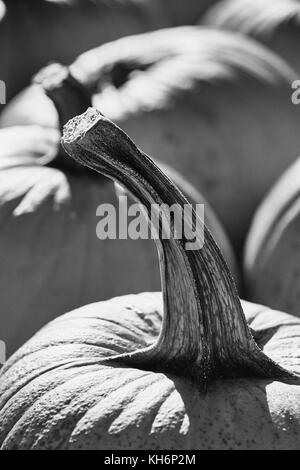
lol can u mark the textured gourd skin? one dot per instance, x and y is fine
(272, 251)
(34, 32)
(276, 24)
(56, 394)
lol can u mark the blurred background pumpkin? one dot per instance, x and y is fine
(272, 252)
(275, 23)
(34, 32)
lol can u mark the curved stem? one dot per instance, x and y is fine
(204, 331)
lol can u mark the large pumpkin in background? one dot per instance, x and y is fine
(51, 259)
(275, 23)
(203, 101)
(34, 32)
(272, 252)
(137, 372)
(199, 100)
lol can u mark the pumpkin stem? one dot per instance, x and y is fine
(68, 95)
(204, 331)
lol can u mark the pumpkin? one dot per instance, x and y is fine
(34, 32)
(51, 258)
(177, 84)
(272, 251)
(177, 371)
(223, 102)
(27, 144)
(33, 107)
(276, 24)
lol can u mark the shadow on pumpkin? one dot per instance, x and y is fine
(233, 414)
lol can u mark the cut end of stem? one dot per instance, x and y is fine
(78, 126)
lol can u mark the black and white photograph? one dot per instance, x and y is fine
(149, 227)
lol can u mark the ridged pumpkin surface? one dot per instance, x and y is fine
(56, 394)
